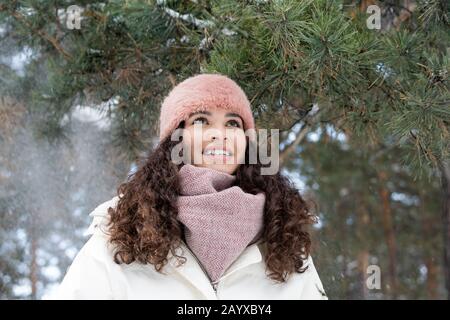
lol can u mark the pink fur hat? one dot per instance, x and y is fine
(200, 93)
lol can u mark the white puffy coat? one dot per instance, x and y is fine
(94, 275)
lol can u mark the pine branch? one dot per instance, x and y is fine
(309, 121)
(423, 149)
(54, 42)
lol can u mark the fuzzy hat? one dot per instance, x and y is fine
(200, 93)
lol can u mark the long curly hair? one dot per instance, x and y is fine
(143, 227)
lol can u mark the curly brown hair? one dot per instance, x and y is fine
(143, 226)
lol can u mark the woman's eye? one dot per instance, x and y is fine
(198, 120)
(234, 123)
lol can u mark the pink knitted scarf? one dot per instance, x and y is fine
(220, 220)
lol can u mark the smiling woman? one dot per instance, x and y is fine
(238, 234)
(222, 140)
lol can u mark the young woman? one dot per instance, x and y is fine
(209, 227)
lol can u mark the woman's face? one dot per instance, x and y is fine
(216, 140)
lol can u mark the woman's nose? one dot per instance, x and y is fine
(218, 133)
(214, 137)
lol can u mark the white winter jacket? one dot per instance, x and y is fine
(94, 275)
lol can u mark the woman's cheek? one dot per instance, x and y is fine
(240, 144)
(188, 143)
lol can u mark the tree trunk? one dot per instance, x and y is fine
(33, 266)
(363, 264)
(432, 284)
(430, 263)
(363, 222)
(389, 232)
(33, 240)
(445, 178)
(342, 231)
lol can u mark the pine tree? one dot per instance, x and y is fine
(307, 67)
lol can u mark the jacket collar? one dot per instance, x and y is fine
(193, 272)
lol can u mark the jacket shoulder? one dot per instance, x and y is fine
(100, 217)
(313, 287)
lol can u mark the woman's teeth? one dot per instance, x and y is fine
(217, 152)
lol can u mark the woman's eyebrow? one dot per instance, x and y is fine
(232, 115)
(200, 112)
(229, 115)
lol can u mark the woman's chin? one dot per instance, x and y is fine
(226, 168)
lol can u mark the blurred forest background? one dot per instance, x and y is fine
(363, 114)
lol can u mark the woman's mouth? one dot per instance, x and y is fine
(217, 154)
